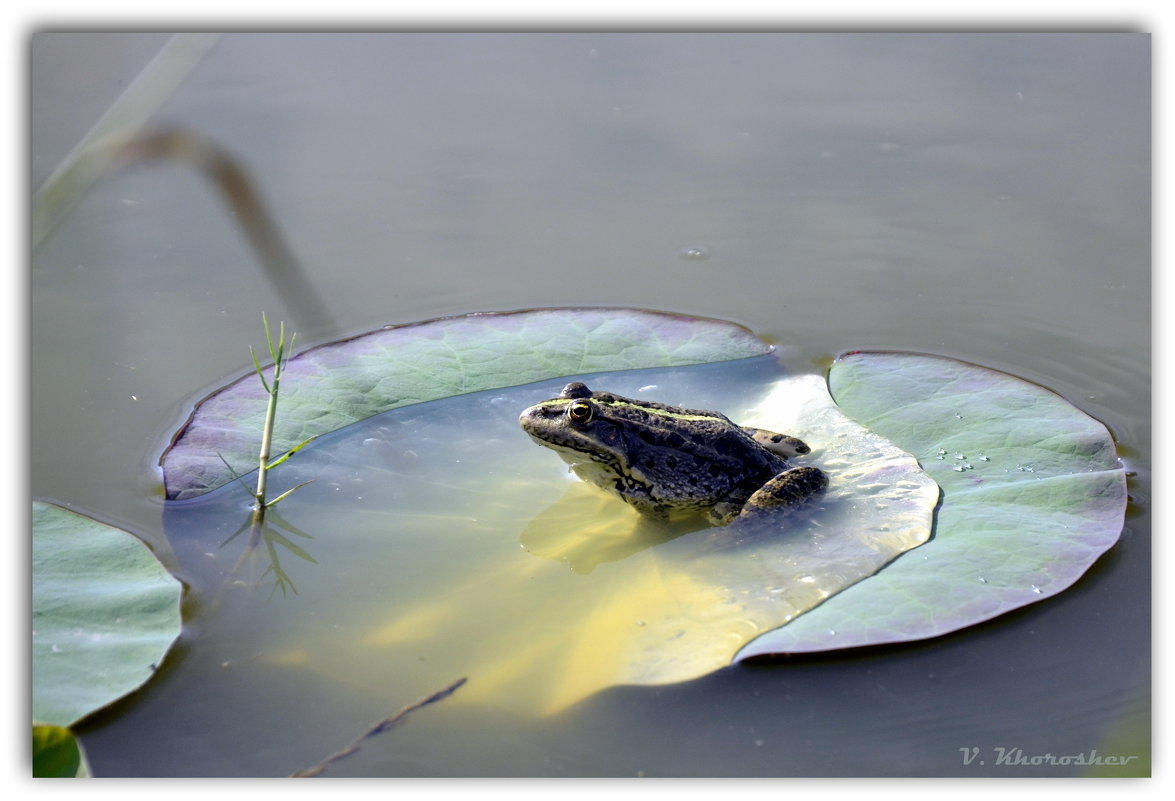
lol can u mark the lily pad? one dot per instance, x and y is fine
(57, 754)
(104, 614)
(333, 385)
(1033, 494)
(466, 549)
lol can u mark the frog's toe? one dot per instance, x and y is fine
(785, 491)
(722, 513)
(778, 443)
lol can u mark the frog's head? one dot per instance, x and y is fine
(580, 430)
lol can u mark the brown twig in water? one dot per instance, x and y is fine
(378, 728)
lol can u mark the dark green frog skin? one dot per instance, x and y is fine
(664, 459)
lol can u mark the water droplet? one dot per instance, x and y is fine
(759, 743)
(983, 458)
(640, 622)
(1036, 589)
(982, 580)
(958, 468)
(693, 254)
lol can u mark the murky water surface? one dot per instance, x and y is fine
(986, 197)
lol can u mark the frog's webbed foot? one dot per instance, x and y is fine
(721, 514)
(778, 443)
(785, 491)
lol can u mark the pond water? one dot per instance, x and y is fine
(985, 197)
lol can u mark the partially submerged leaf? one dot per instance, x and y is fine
(1033, 494)
(331, 386)
(104, 614)
(424, 510)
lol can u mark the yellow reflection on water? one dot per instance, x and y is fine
(591, 595)
(488, 563)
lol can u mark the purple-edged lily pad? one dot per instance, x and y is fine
(333, 385)
(1033, 494)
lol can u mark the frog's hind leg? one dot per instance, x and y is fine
(778, 443)
(785, 491)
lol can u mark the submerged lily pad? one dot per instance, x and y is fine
(333, 385)
(104, 614)
(1033, 494)
(423, 510)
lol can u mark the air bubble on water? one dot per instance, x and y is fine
(1037, 589)
(958, 468)
(982, 580)
(983, 458)
(967, 466)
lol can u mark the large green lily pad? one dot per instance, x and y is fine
(1033, 494)
(333, 385)
(104, 614)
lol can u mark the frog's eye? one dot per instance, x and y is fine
(579, 412)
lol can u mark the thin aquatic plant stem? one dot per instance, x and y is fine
(266, 442)
(273, 387)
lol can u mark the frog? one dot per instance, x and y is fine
(668, 461)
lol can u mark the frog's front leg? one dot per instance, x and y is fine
(778, 443)
(785, 490)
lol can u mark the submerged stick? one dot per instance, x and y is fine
(378, 728)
